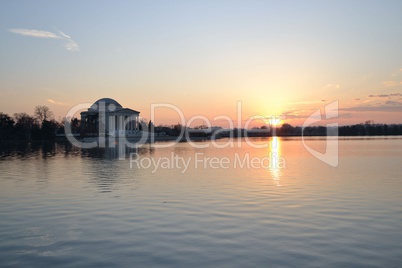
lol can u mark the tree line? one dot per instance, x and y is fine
(25, 127)
(369, 128)
(42, 126)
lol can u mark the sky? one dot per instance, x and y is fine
(275, 58)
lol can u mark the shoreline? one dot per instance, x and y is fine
(200, 139)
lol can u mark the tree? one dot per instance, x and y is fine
(75, 123)
(286, 129)
(143, 125)
(6, 126)
(43, 113)
(150, 126)
(6, 121)
(24, 124)
(49, 128)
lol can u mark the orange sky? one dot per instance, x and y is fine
(278, 59)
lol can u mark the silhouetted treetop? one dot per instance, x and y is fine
(43, 113)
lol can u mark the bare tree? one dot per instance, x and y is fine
(43, 113)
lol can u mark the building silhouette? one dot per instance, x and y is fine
(106, 117)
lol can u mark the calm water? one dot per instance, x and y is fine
(62, 206)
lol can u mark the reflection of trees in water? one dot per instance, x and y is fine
(101, 166)
(53, 149)
(28, 149)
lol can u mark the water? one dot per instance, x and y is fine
(62, 206)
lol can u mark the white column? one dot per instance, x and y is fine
(111, 125)
(121, 120)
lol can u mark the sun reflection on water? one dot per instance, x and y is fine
(274, 154)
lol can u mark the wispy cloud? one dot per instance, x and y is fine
(393, 103)
(308, 102)
(379, 96)
(391, 83)
(70, 45)
(388, 106)
(385, 95)
(332, 86)
(35, 33)
(56, 102)
(307, 114)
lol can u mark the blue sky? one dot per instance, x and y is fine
(277, 57)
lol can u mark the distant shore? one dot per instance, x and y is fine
(195, 139)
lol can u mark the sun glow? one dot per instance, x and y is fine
(274, 121)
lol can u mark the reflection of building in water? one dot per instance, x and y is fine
(107, 117)
(113, 151)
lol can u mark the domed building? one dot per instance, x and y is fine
(106, 117)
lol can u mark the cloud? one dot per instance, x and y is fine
(357, 99)
(379, 96)
(306, 114)
(394, 107)
(385, 95)
(290, 115)
(308, 102)
(56, 102)
(70, 45)
(63, 34)
(332, 86)
(391, 83)
(375, 103)
(393, 103)
(35, 33)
